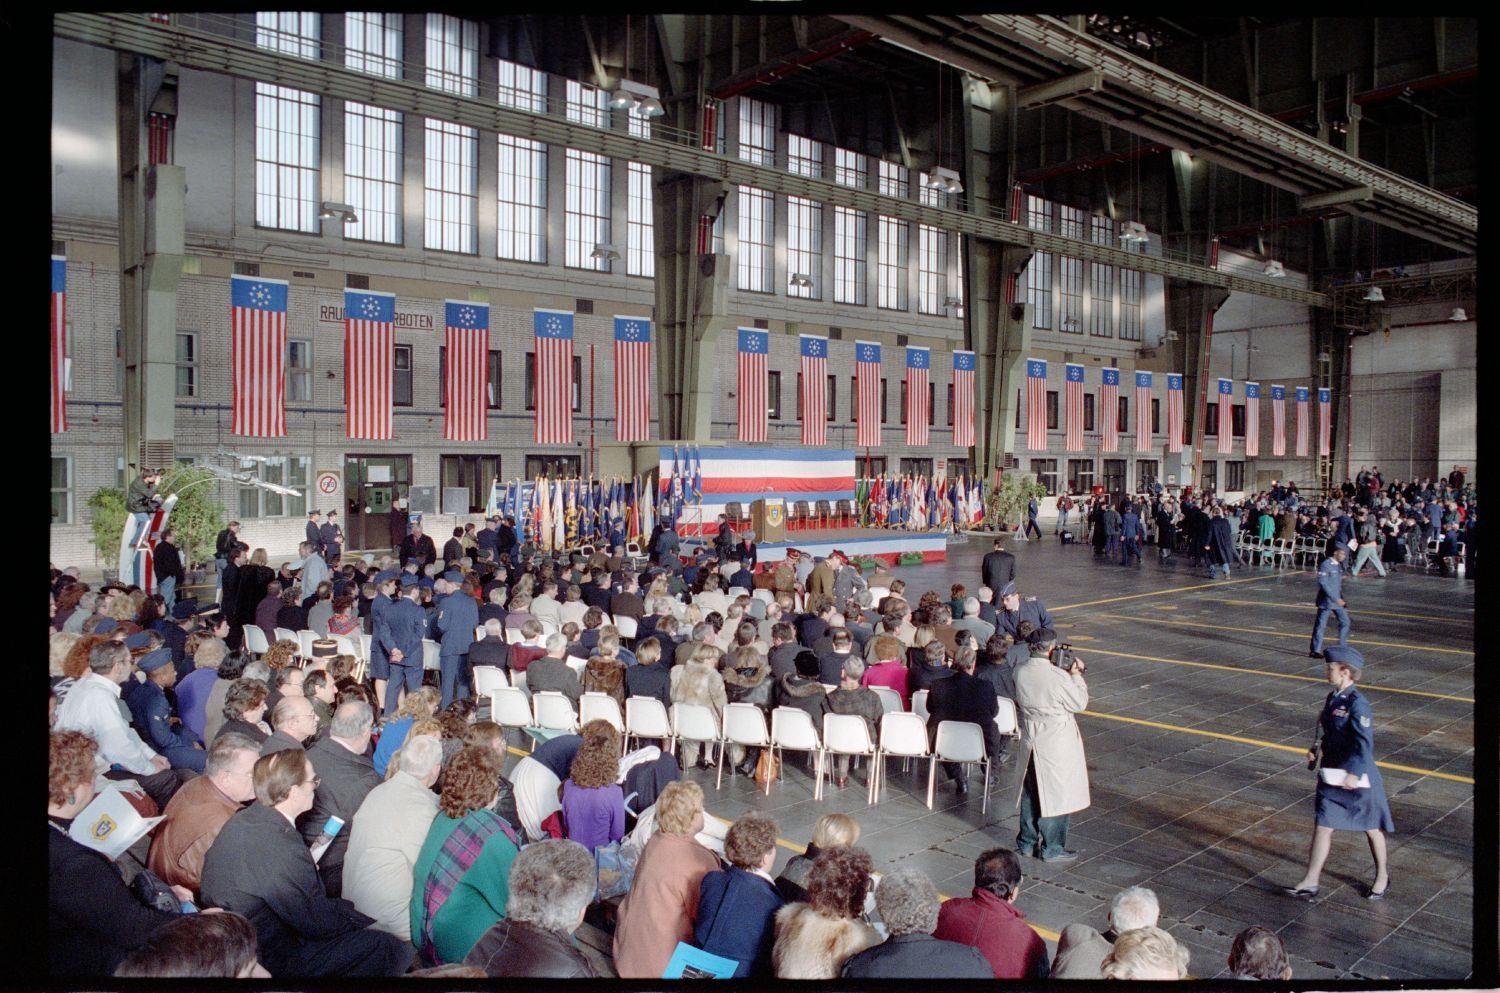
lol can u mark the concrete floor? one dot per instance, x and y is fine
(1179, 667)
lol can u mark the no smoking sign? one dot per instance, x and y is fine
(328, 483)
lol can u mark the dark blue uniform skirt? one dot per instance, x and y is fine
(1355, 810)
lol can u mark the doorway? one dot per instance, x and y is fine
(374, 483)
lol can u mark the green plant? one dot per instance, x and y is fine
(107, 513)
(1007, 502)
(196, 520)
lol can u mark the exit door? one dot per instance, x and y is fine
(374, 483)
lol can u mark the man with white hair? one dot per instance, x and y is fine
(908, 905)
(971, 621)
(492, 649)
(1081, 950)
(314, 567)
(551, 671)
(387, 835)
(551, 885)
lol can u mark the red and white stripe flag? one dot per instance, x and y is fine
(963, 399)
(814, 351)
(1036, 405)
(1109, 411)
(632, 378)
(867, 393)
(1325, 421)
(1073, 406)
(918, 361)
(1252, 420)
(1278, 419)
(369, 349)
(754, 346)
(465, 399)
(1302, 420)
(554, 376)
(1226, 416)
(1143, 412)
(59, 344)
(1174, 412)
(257, 353)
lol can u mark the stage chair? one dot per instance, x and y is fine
(845, 511)
(824, 513)
(804, 515)
(734, 513)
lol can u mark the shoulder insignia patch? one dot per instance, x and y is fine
(1364, 720)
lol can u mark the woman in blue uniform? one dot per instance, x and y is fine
(1348, 744)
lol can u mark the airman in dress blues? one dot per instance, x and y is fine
(1015, 608)
(1330, 601)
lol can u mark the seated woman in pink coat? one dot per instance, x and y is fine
(888, 669)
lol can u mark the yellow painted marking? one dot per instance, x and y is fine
(1179, 589)
(1311, 606)
(1271, 744)
(1274, 674)
(1164, 606)
(1284, 634)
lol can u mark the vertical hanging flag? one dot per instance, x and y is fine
(1252, 419)
(867, 393)
(1109, 411)
(369, 350)
(1073, 406)
(963, 399)
(1226, 416)
(554, 376)
(1325, 421)
(814, 353)
(1143, 412)
(59, 344)
(257, 354)
(754, 346)
(1302, 420)
(1278, 419)
(632, 378)
(1036, 405)
(918, 361)
(1174, 412)
(465, 399)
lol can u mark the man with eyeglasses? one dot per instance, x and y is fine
(200, 810)
(295, 722)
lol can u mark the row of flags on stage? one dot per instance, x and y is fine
(752, 407)
(919, 503)
(557, 514)
(684, 484)
(1109, 423)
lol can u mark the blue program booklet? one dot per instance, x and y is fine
(694, 963)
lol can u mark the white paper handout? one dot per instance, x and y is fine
(109, 824)
(1336, 777)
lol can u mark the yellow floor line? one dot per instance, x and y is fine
(1373, 613)
(1283, 634)
(1296, 750)
(1278, 675)
(1180, 589)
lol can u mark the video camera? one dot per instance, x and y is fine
(1062, 656)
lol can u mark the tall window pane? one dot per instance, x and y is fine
(850, 231)
(521, 170)
(586, 216)
(1102, 280)
(932, 254)
(1039, 269)
(373, 43)
(640, 240)
(452, 188)
(804, 219)
(372, 172)
(452, 54)
(757, 131)
(894, 242)
(756, 267)
(287, 130)
(1070, 273)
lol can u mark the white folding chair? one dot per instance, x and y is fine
(362, 646)
(646, 717)
(513, 636)
(255, 640)
(287, 634)
(847, 734)
(694, 722)
(487, 679)
(900, 734)
(552, 710)
(304, 643)
(627, 626)
(1005, 717)
(764, 596)
(793, 728)
(890, 700)
(344, 645)
(432, 654)
(744, 724)
(958, 741)
(518, 680)
(592, 706)
(547, 627)
(879, 593)
(919, 704)
(509, 708)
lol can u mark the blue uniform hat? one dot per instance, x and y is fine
(426, 583)
(414, 562)
(385, 576)
(183, 609)
(408, 580)
(453, 576)
(152, 661)
(138, 640)
(107, 625)
(1009, 589)
(1345, 655)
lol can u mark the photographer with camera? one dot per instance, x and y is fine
(1050, 689)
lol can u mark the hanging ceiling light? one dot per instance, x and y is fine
(606, 251)
(1133, 232)
(1459, 314)
(1273, 269)
(621, 99)
(1374, 295)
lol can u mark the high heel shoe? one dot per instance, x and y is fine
(1372, 895)
(1300, 892)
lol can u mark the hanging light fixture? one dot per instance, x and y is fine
(1459, 314)
(1273, 269)
(1374, 295)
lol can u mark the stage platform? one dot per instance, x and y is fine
(879, 543)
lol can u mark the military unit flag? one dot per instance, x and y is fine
(867, 393)
(369, 350)
(963, 399)
(257, 353)
(554, 376)
(918, 361)
(1143, 412)
(1278, 419)
(814, 351)
(754, 346)
(1109, 411)
(632, 378)
(1073, 406)
(1036, 405)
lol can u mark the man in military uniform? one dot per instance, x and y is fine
(152, 716)
(386, 585)
(315, 531)
(332, 538)
(1330, 601)
(458, 616)
(999, 567)
(1015, 608)
(399, 630)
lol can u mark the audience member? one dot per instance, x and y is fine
(551, 886)
(1258, 954)
(1146, 953)
(198, 946)
(1081, 949)
(593, 805)
(990, 922)
(908, 905)
(815, 939)
(199, 811)
(738, 905)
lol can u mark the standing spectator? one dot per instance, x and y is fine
(314, 531)
(1055, 782)
(552, 884)
(167, 564)
(908, 905)
(331, 536)
(458, 616)
(989, 920)
(224, 544)
(815, 939)
(738, 905)
(1032, 509)
(999, 567)
(1218, 543)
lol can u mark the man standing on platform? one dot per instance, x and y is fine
(823, 576)
(332, 537)
(999, 568)
(458, 616)
(141, 501)
(418, 546)
(223, 546)
(1330, 601)
(315, 532)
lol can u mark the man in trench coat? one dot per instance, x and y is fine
(1056, 780)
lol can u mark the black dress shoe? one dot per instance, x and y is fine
(746, 768)
(1302, 893)
(962, 786)
(1314, 655)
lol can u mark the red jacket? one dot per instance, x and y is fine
(998, 930)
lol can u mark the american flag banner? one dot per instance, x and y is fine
(1036, 405)
(1109, 411)
(1174, 412)
(918, 361)
(1252, 419)
(1302, 420)
(1226, 416)
(754, 346)
(257, 355)
(814, 351)
(1073, 404)
(1278, 419)
(1143, 412)
(1325, 421)
(554, 376)
(465, 399)
(59, 344)
(867, 393)
(369, 350)
(963, 399)
(632, 378)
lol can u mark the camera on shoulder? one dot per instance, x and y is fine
(1062, 656)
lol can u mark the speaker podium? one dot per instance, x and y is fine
(768, 517)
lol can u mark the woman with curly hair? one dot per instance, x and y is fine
(738, 905)
(462, 873)
(815, 939)
(67, 602)
(593, 804)
(123, 610)
(281, 654)
(244, 708)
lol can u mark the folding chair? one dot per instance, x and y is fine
(1005, 717)
(793, 728)
(919, 704)
(487, 679)
(958, 741)
(646, 717)
(596, 706)
(847, 734)
(287, 634)
(694, 722)
(304, 643)
(744, 724)
(432, 654)
(627, 626)
(890, 700)
(255, 640)
(554, 711)
(344, 645)
(900, 734)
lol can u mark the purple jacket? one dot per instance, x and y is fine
(595, 816)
